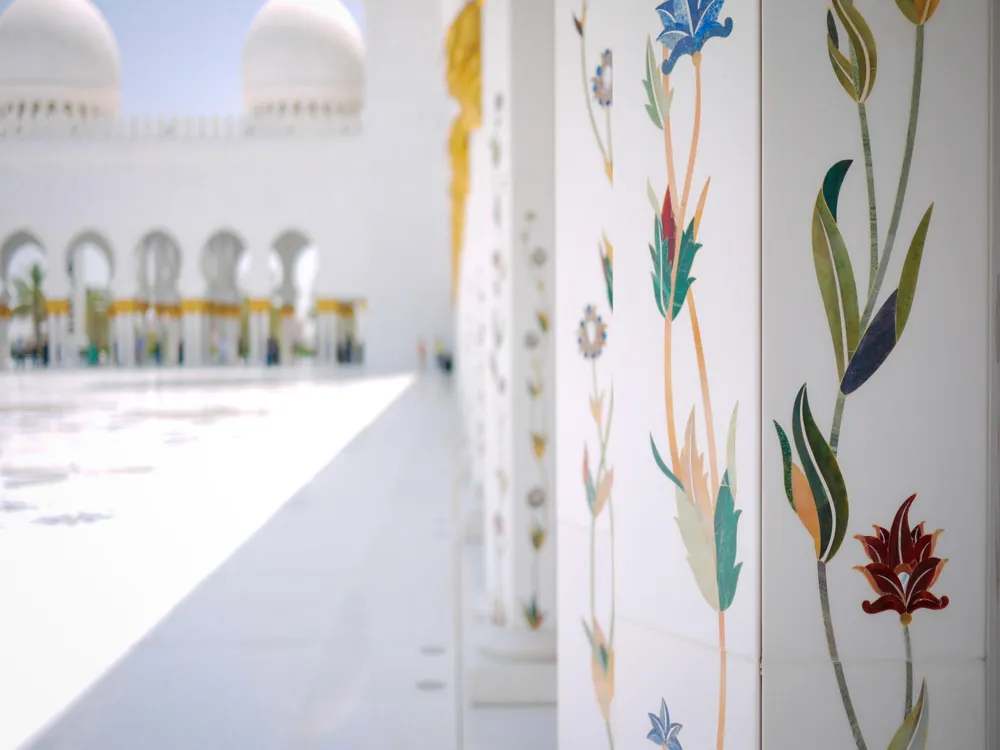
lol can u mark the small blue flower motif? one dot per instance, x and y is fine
(592, 334)
(663, 732)
(687, 25)
(601, 83)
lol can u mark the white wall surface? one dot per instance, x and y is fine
(123, 189)
(406, 129)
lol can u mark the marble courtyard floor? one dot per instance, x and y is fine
(234, 559)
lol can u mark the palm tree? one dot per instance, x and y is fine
(30, 300)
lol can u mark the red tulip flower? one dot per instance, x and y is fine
(903, 567)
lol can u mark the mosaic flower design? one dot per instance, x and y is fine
(664, 732)
(687, 26)
(918, 11)
(533, 615)
(537, 497)
(602, 82)
(593, 334)
(903, 567)
(538, 535)
(597, 88)
(602, 668)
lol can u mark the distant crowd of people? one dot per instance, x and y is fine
(23, 352)
(348, 352)
(442, 357)
(149, 349)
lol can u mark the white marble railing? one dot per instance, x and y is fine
(179, 128)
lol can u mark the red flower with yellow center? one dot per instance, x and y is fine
(903, 567)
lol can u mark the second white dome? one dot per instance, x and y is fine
(304, 55)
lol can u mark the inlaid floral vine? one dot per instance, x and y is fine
(592, 336)
(901, 564)
(706, 501)
(597, 89)
(499, 380)
(537, 342)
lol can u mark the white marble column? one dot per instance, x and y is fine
(260, 292)
(286, 338)
(326, 337)
(125, 310)
(194, 318)
(231, 327)
(170, 325)
(79, 297)
(260, 324)
(57, 322)
(473, 314)
(57, 295)
(124, 317)
(520, 551)
(5, 359)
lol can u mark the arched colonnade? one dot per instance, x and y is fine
(67, 305)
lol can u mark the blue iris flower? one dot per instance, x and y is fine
(663, 732)
(687, 25)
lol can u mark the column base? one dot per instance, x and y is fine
(515, 667)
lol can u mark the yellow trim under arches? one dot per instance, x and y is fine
(195, 307)
(334, 307)
(126, 307)
(57, 306)
(465, 85)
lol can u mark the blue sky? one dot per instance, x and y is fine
(182, 57)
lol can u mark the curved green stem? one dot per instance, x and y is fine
(611, 522)
(611, 737)
(587, 98)
(838, 419)
(904, 177)
(909, 670)
(611, 147)
(593, 574)
(838, 668)
(866, 144)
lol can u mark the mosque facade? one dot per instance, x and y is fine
(201, 221)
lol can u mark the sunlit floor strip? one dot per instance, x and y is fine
(135, 511)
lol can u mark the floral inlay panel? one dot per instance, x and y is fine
(592, 335)
(900, 562)
(537, 342)
(706, 497)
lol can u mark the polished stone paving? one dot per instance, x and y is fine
(234, 560)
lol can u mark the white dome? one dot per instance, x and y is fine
(59, 53)
(304, 54)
